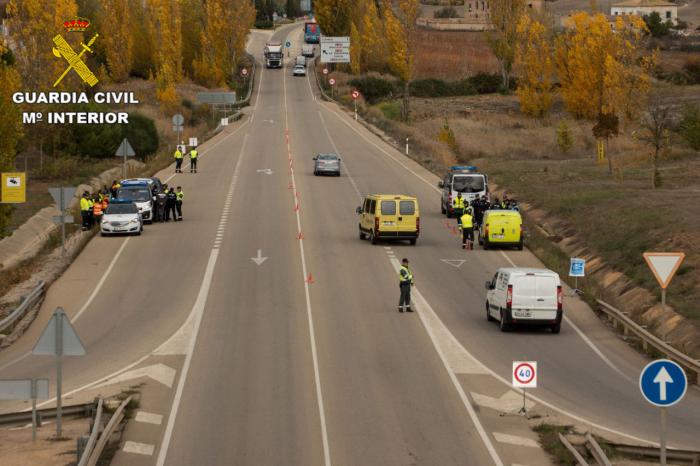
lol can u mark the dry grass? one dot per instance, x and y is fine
(452, 55)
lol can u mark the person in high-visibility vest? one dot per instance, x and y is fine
(466, 224)
(84, 209)
(91, 219)
(193, 160)
(405, 284)
(97, 211)
(458, 205)
(180, 195)
(178, 160)
(114, 188)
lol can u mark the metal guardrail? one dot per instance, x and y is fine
(688, 456)
(596, 451)
(82, 410)
(11, 320)
(617, 317)
(96, 426)
(106, 434)
(579, 459)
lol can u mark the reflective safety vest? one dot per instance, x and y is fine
(180, 195)
(84, 204)
(405, 275)
(97, 208)
(193, 154)
(178, 154)
(458, 203)
(105, 203)
(465, 221)
(90, 204)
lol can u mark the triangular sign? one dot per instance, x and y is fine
(664, 265)
(125, 149)
(47, 345)
(454, 262)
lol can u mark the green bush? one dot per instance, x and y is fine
(142, 134)
(264, 24)
(431, 88)
(657, 27)
(464, 87)
(446, 12)
(692, 69)
(373, 89)
(485, 83)
(690, 125)
(391, 109)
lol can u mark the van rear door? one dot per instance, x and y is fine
(388, 218)
(546, 292)
(524, 293)
(407, 215)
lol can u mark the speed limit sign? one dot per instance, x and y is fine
(355, 95)
(331, 82)
(325, 71)
(524, 374)
(244, 72)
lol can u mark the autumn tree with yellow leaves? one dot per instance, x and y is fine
(535, 64)
(401, 36)
(118, 43)
(10, 123)
(334, 16)
(165, 18)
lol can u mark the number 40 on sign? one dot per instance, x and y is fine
(524, 374)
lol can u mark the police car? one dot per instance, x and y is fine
(141, 194)
(121, 216)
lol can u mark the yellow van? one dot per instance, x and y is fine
(389, 216)
(501, 228)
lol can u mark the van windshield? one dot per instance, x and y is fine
(468, 183)
(134, 194)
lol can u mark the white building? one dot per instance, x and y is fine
(667, 10)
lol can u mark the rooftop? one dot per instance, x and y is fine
(643, 3)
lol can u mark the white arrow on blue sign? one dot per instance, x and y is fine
(663, 383)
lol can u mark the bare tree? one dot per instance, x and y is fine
(655, 132)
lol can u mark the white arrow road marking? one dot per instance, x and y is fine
(260, 259)
(158, 372)
(509, 402)
(138, 448)
(269, 121)
(662, 378)
(454, 262)
(267, 171)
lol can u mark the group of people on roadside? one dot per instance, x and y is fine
(168, 204)
(92, 207)
(179, 156)
(470, 215)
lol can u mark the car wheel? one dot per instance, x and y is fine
(488, 314)
(372, 238)
(362, 235)
(502, 324)
(413, 241)
(520, 245)
(556, 328)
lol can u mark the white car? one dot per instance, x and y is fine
(299, 70)
(121, 217)
(525, 296)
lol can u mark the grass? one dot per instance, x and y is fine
(549, 439)
(391, 109)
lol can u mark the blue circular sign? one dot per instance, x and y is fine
(288, 44)
(663, 383)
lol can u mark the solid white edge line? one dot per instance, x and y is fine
(312, 337)
(453, 377)
(199, 309)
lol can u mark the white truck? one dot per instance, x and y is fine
(307, 50)
(273, 55)
(301, 61)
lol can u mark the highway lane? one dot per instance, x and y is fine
(574, 377)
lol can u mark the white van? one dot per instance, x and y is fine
(525, 296)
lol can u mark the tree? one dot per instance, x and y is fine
(505, 15)
(533, 57)
(10, 125)
(690, 125)
(166, 24)
(117, 41)
(655, 132)
(374, 46)
(292, 9)
(401, 37)
(334, 16)
(656, 27)
(355, 50)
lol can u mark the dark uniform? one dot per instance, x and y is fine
(405, 284)
(161, 199)
(170, 202)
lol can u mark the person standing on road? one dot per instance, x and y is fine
(405, 284)
(178, 160)
(193, 160)
(161, 198)
(466, 224)
(84, 209)
(180, 195)
(170, 202)
(97, 210)
(458, 205)
(114, 188)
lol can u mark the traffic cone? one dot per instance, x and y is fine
(310, 279)
(300, 236)
(296, 207)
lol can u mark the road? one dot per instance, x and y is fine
(303, 359)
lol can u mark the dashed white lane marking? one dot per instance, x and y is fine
(439, 334)
(515, 440)
(158, 372)
(138, 448)
(335, 148)
(509, 402)
(309, 314)
(187, 334)
(149, 418)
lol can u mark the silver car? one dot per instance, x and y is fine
(327, 164)
(299, 70)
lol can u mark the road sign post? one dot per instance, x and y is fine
(663, 383)
(27, 389)
(125, 150)
(332, 83)
(577, 268)
(524, 376)
(59, 339)
(664, 266)
(62, 197)
(178, 122)
(355, 96)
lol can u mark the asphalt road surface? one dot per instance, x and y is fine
(303, 358)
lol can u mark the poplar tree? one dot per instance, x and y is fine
(117, 38)
(10, 124)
